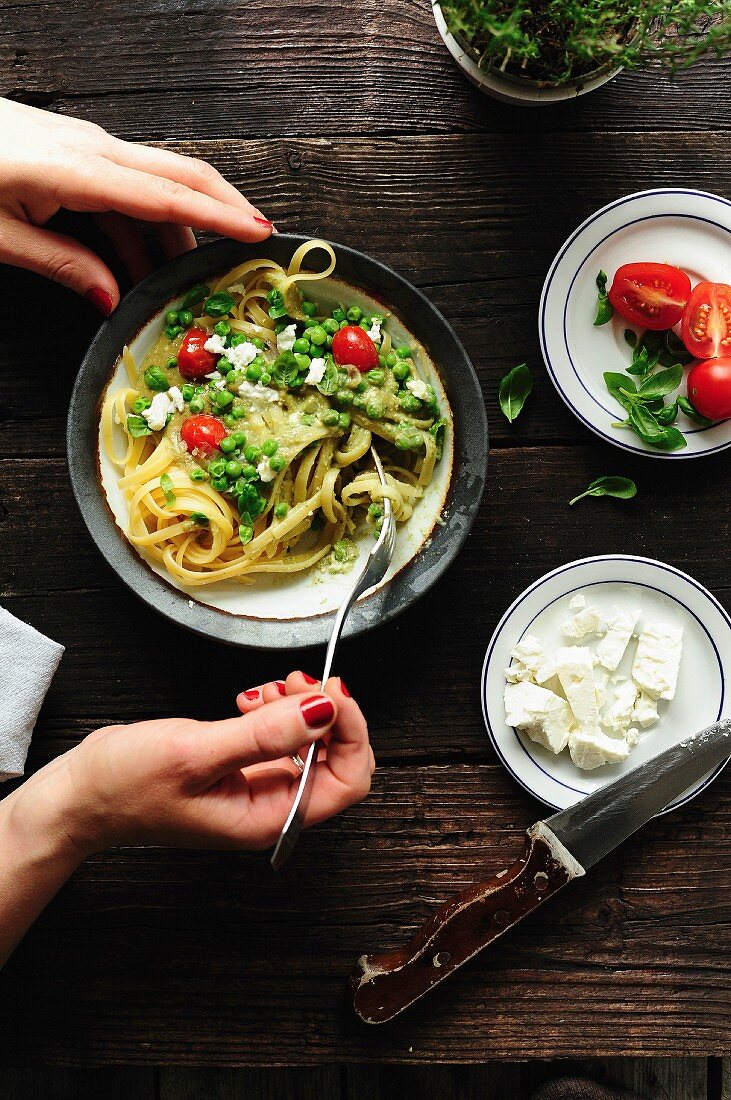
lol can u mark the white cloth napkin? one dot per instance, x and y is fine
(28, 661)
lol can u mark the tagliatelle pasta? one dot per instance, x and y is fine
(242, 440)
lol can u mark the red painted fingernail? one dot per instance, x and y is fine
(344, 688)
(100, 300)
(280, 687)
(317, 711)
(309, 679)
(265, 222)
(252, 694)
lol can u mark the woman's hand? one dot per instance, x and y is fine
(49, 161)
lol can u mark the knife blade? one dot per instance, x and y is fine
(557, 850)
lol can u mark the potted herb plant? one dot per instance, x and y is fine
(551, 50)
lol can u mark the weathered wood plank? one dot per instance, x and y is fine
(268, 67)
(495, 1081)
(121, 1083)
(150, 956)
(303, 1083)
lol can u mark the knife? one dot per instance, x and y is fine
(557, 850)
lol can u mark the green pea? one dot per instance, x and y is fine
(171, 317)
(156, 379)
(185, 318)
(401, 371)
(220, 483)
(339, 314)
(233, 469)
(141, 404)
(354, 314)
(309, 309)
(227, 445)
(172, 362)
(234, 379)
(310, 323)
(330, 326)
(404, 352)
(281, 509)
(329, 342)
(253, 372)
(344, 397)
(229, 420)
(277, 463)
(302, 361)
(238, 338)
(365, 324)
(249, 472)
(330, 418)
(381, 360)
(217, 468)
(317, 335)
(222, 328)
(375, 410)
(391, 359)
(301, 345)
(343, 421)
(375, 511)
(269, 447)
(223, 399)
(257, 342)
(359, 401)
(224, 365)
(187, 391)
(361, 386)
(198, 475)
(172, 332)
(265, 378)
(343, 324)
(376, 377)
(409, 403)
(308, 419)
(238, 412)
(197, 404)
(239, 440)
(252, 454)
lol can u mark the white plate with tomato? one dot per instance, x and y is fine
(635, 323)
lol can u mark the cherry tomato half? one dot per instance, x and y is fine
(202, 433)
(650, 295)
(194, 361)
(706, 328)
(709, 387)
(352, 345)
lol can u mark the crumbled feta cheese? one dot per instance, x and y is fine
(177, 398)
(545, 717)
(214, 375)
(582, 623)
(418, 388)
(264, 470)
(517, 673)
(632, 736)
(601, 679)
(611, 648)
(316, 372)
(243, 354)
(286, 338)
(645, 712)
(375, 332)
(157, 414)
(657, 660)
(529, 652)
(577, 602)
(576, 672)
(256, 392)
(591, 749)
(619, 715)
(236, 288)
(216, 344)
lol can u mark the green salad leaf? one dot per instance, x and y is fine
(620, 487)
(137, 426)
(604, 308)
(219, 305)
(514, 390)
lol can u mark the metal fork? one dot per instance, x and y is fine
(373, 571)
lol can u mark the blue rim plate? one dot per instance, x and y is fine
(689, 229)
(661, 591)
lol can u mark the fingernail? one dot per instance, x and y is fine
(265, 222)
(252, 694)
(280, 687)
(100, 300)
(309, 679)
(317, 711)
(344, 688)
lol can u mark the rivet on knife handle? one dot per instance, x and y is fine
(384, 985)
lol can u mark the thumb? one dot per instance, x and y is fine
(59, 258)
(275, 730)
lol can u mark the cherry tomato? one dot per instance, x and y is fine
(194, 361)
(706, 328)
(650, 295)
(352, 345)
(709, 387)
(202, 433)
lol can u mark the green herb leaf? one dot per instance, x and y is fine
(195, 295)
(285, 370)
(692, 413)
(219, 305)
(514, 389)
(667, 414)
(437, 430)
(631, 337)
(621, 387)
(137, 426)
(200, 518)
(661, 383)
(156, 380)
(166, 484)
(330, 381)
(604, 308)
(646, 425)
(674, 351)
(620, 487)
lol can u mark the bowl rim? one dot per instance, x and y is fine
(471, 446)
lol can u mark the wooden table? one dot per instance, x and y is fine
(352, 122)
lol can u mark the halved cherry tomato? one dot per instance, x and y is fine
(352, 345)
(709, 387)
(706, 328)
(202, 433)
(650, 295)
(194, 361)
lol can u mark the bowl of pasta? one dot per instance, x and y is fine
(220, 435)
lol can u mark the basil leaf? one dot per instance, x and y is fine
(166, 484)
(604, 308)
(219, 305)
(156, 380)
(670, 440)
(631, 337)
(620, 487)
(514, 389)
(642, 362)
(674, 351)
(330, 381)
(285, 369)
(644, 423)
(195, 295)
(661, 383)
(246, 528)
(437, 430)
(251, 502)
(667, 414)
(137, 426)
(200, 518)
(686, 406)
(621, 388)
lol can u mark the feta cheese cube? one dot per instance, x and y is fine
(375, 332)
(529, 652)
(216, 344)
(316, 372)
(243, 354)
(418, 388)
(645, 711)
(582, 623)
(619, 715)
(611, 648)
(177, 398)
(253, 391)
(545, 717)
(591, 749)
(286, 338)
(657, 661)
(517, 673)
(575, 670)
(264, 470)
(577, 602)
(157, 414)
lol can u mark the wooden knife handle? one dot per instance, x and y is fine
(384, 985)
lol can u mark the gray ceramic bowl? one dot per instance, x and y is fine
(424, 322)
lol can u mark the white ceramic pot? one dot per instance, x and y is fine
(512, 89)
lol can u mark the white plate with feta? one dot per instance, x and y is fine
(598, 667)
